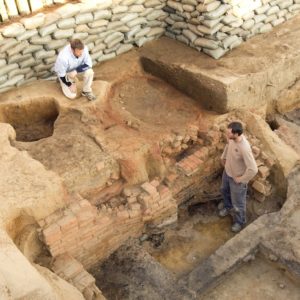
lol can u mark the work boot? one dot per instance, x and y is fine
(236, 227)
(90, 96)
(224, 212)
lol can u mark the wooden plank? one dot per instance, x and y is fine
(3, 12)
(12, 10)
(47, 2)
(23, 7)
(36, 4)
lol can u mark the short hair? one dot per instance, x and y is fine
(76, 44)
(236, 127)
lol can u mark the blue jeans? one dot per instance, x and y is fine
(234, 197)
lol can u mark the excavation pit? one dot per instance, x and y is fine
(152, 101)
(127, 163)
(32, 120)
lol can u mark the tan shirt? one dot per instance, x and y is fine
(239, 160)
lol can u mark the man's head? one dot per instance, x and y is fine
(77, 47)
(234, 130)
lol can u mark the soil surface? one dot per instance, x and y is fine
(255, 280)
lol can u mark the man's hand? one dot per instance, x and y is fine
(237, 179)
(73, 88)
(223, 162)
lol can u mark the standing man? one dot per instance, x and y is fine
(72, 59)
(240, 168)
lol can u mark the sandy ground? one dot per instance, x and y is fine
(258, 279)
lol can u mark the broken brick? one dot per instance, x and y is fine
(52, 233)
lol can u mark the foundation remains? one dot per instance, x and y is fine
(117, 198)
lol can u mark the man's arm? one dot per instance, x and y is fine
(87, 60)
(224, 155)
(251, 167)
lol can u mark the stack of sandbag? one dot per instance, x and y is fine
(29, 47)
(215, 27)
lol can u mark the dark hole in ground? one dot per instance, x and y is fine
(32, 120)
(273, 124)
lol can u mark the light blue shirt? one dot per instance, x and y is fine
(67, 62)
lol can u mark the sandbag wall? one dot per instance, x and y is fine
(215, 27)
(29, 47)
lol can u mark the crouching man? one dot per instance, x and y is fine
(240, 168)
(74, 59)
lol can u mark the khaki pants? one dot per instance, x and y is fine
(88, 76)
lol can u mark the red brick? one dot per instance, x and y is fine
(85, 204)
(155, 183)
(103, 221)
(195, 160)
(150, 189)
(52, 233)
(53, 217)
(263, 171)
(262, 188)
(85, 215)
(135, 213)
(131, 199)
(135, 206)
(123, 214)
(41, 223)
(170, 179)
(75, 207)
(202, 153)
(67, 222)
(67, 265)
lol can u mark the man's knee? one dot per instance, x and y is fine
(89, 73)
(72, 75)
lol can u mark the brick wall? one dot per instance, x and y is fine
(90, 234)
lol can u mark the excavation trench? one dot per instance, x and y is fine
(141, 169)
